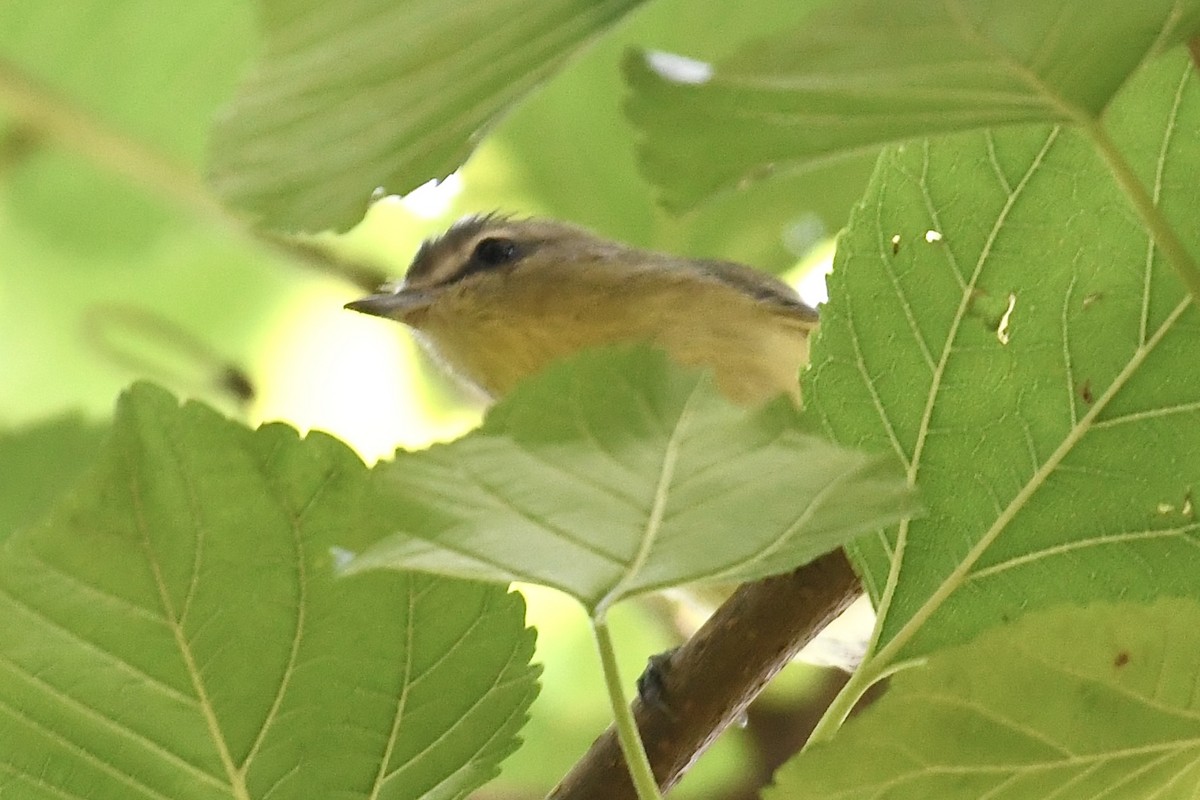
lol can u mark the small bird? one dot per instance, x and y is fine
(497, 299)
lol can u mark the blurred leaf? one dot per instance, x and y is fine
(616, 473)
(862, 73)
(105, 107)
(223, 292)
(39, 463)
(568, 151)
(1033, 368)
(1070, 703)
(153, 73)
(176, 631)
(354, 96)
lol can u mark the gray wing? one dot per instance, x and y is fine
(761, 286)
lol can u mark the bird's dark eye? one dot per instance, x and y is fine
(492, 252)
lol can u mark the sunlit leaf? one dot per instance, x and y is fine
(569, 152)
(858, 74)
(1001, 322)
(354, 96)
(176, 631)
(1070, 703)
(617, 473)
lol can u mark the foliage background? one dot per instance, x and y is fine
(105, 112)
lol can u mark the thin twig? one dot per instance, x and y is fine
(712, 678)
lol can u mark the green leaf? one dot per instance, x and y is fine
(1070, 703)
(353, 96)
(569, 152)
(1033, 368)
(863, 73)
(176, 631)
(37, 464)
(617, 473)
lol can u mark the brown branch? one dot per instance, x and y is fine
(1193, 47)
(711, 680)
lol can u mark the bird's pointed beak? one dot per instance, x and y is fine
(396, 305)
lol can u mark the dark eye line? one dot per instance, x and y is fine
(494, 251)
(491, 253)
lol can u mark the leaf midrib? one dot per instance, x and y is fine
(914, 464)
(662, 493)
(958, 576)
